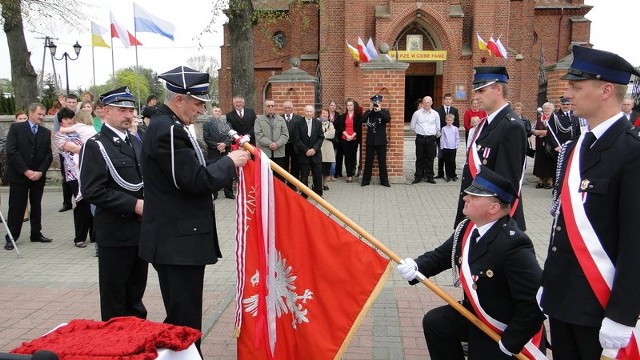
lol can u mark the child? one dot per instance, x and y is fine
(449, 141)
(474, 121)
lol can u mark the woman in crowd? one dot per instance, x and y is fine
(349, 128)
(471, 112)
(544, 163)
(333, 115)
(518, 108)
(328, 156)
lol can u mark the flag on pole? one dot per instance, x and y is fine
(371, 49)
(492, 47)
(362, 51)
(354, 52)
(145, 22)
(502, 49)
(96, 35)
(481, 43)
(304, 281)
(119, 31)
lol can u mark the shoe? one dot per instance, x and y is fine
(8, 246)
(349, 180)
(416, 180)
(548, 186)
(41, 238)
(364, 184)
(65, 208)
(539, 186)
(386, 184)
(23, 220)
(325, 188)
(447, 179)
(431, 181)
(439, 177)
(455, 178)
(230, 196)
(80, 244)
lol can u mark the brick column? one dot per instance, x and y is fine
(295, 85)
(386, 77)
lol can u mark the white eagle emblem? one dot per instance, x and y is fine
(285, 292)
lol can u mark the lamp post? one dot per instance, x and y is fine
(76, 48)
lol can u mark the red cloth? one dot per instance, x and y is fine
(469, 114)
(121, 338)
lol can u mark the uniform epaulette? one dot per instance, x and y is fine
(96, 137)
(635, 132)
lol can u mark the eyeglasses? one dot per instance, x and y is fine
(270, 105)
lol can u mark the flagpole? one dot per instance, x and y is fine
(244, 142)
(93, 63)
(113, 71)
(135, 31)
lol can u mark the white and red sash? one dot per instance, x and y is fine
(473, 159)
(598, 268)
(531, 349)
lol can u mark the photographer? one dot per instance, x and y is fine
(376, 119)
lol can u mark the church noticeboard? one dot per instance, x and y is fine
(419, 56)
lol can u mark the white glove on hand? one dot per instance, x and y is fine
(614, 335)
(504, 349)
(408, 269)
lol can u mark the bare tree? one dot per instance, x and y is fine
(241, 22)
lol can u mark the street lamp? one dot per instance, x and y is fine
(52, 48)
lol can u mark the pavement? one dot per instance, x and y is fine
(57, 282)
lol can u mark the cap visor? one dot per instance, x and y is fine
(473, 190)
(122, 104)
(574, 77)
(481, 85)
(203, 97)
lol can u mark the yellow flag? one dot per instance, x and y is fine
(481, 43)
(96, 35)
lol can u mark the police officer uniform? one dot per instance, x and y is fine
(111, 179)
(505, 276)
(376, 121)
(501, 144)
(565, 126)
(607, 184)
(178, 228)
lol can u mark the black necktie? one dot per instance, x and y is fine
(127, 141)
(475, 234)
(588, 140)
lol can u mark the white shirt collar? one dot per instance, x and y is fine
(599, 130)
(484, 228)
(493, 114)
(120, 134)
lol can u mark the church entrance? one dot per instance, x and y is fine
(416, 87)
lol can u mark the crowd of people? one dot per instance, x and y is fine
(588, 158)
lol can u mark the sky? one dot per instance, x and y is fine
(613, 27)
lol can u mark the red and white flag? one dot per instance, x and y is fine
(492, 47)
(304, 282)
(362, 51)
(120, 32)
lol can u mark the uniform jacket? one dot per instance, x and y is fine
(212, 135)
(570, 123)
(633, 117)
(245, 125)
(508, 291)
(452, 110)
(376, 123)
(178, 226)
(501, 147)
(612, 166)
(27, 151)
(265, 135)
(303, 142)
(115, 221)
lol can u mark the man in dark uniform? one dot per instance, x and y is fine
(499, 142)
(111, 179)
(242, 119)
(590, 278)
(178, 228)
(443, 110)
(376, 120)
(564, 125)
(29, 156)
(495, 263)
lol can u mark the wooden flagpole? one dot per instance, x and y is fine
(375, 242)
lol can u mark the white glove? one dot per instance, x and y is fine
(614, 335)
(408, 269)
(504, 349)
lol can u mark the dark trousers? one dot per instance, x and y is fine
(339, 157)
(122, 277)
(181, 287)
(290, 162)
(449, 159)
(280, 162)
(316, 174)
(381, 152)
(571, 341)
(67, 188)
(18, 194)
(444, 330)
(82, 217)
(349, 151)
(425, 153)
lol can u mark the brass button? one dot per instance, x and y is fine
(554, 249)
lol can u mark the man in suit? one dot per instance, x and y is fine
(376, 120)
(242, 119)
(111, 179)
(590, 279)
(307, 139)
(290, 158)
(215, 134)
(443, 110)
(178, 235)
(272, 135)
(501, 141)
(495, 263)
(29, 156)
(627, 109)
